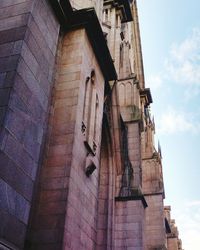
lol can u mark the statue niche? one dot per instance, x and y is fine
(126, 189)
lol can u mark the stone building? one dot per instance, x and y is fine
(78, 165)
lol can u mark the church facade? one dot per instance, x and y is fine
(78, 165)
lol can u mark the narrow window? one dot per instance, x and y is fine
(90, 113)
(86, 105)
(96, 119)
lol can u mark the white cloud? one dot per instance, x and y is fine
(154, 81)
(183, 63)
(182, 66)
(173, 121)
(188, 222)
(193, 203)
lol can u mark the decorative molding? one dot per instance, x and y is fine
(89, 148)
(146, 93)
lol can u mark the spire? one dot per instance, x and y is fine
(153, 123)
(159, 149)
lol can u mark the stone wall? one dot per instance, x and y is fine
(28, 40)
(129, 225)
(105, 221)
(81, 214)
(155, 227)
(152, 177)
(66, 214)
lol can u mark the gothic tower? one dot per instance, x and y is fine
(78, 165)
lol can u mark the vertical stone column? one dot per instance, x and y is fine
(112, 18)
(105, 222)
(135, 152)
(27, 58)
(173, 241)
(117, 42)
(129, 225)
(80, 230)
(137, 47)
(155, 223)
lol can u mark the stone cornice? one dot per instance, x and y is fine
(87, 19)
(146, 93)
(133, 198)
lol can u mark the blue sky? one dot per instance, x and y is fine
(170, 34)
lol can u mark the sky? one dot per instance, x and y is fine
(170, 35)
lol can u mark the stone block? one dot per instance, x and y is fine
(63, 128)
(6, 49)
(14, 22)
(11, 48)
(28, 164)
(58, 161)
(32, 139)
(2, 115)
(46, 236)
(9, 63)
(59, 150)
(49, 222)
(21, 89)
(2, 79)
(46, 246)
(52, 208)
(55, 183)
(7, 79)
(7, 3)
(41, 39)
(13, 203)
(14, 9)
(53, 195)
(68, 77)
(16, 124)
(12, 229)
(40, 16)
(54, 172)
(37, 110)
(11, 174)
(17, 105)
(40, 56)
(12, 35)
(68, 84)
(28, 77)
(30, 60)
(61, 139)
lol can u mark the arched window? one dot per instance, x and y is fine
(121, 54)
(90, 113)
(121, 94)
(96, 119)
(86, 105)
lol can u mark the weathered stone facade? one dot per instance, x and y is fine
(78, 165)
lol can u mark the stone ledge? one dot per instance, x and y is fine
(131, 198)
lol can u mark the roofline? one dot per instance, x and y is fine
(88, 19)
